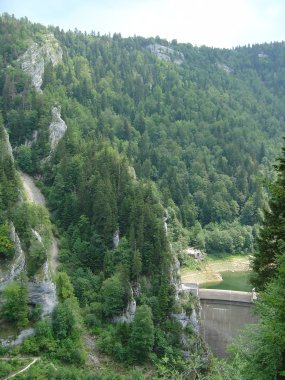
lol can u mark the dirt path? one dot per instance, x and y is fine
(34, 195)
(212, 269)
(22, 370)
(33, 192)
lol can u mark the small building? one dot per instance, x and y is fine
(195, 253)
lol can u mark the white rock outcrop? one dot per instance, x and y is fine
(116, 239)
(43, 292)
(15, 341)
(57, 127)
(166, 54)
(7, 144)
(225, 68)
(129, 314)
(17, 264)
(34, 59)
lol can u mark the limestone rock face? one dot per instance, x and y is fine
(17, 264)
(185, 320)
(57, 127)
(132, 172)
(15, 341)
(9, 149)
(175, 276)
(225, 68)
(116, 239)
(166, 54)
(34, 59)
(43, 292)
(129, 314)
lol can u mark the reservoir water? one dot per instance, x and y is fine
(231, 281)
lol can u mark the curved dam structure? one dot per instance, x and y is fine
(223, 314)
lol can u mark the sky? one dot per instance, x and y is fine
(214, 23)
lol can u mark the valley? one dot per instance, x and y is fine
(142, 148)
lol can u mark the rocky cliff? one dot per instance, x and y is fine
(37, 55)
(57, 127)
(11, 270)
(166, 54)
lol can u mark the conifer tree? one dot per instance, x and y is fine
(142, 336)
(271, 242)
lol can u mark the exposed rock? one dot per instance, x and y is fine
(185, 320)
(132, 172)
(8, 145)
(175, 278)
(34, 139)
(224, 67)
(129, 314)
(12, 341)
(57, 127)
(136, 289)
(43, 292)
(165, 219)
(17, 264)
(263, 55)
(37, 236)
(166, 54)
(192, 287)
(194, 320)
(34, 59)
(116, 239)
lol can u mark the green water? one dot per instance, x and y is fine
(231, 281)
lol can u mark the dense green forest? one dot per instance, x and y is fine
(167, 145)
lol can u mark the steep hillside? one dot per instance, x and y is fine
(142, 147)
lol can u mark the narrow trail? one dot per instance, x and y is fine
(21, 370)
(35, 195)
(33, 192)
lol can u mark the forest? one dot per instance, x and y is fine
(142, 148)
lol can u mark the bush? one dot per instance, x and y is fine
(24, 159)
(15, 307)
(36, 257)
(142, 335)
(113, 296)
(6, 244)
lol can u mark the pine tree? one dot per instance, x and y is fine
(142, 336)
(15, 308)
(271, 242)
(136, 265)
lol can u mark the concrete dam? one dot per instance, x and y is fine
(223, 314)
